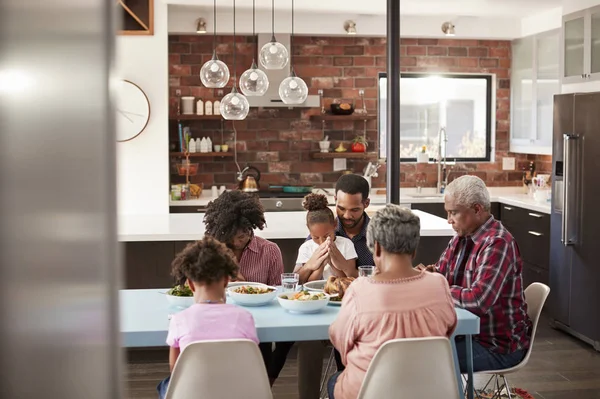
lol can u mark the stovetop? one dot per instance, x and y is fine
(272, 194)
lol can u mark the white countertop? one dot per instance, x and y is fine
(504, 195)
(280, 225)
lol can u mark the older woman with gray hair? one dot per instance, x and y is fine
(483, 267)
(397, 302)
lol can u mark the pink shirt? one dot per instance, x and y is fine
(261, 262)
(374, 312)
(204, 321)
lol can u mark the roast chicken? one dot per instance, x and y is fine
(337, 285)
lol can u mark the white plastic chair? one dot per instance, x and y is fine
(535, 297)
(412, 368)
(222, 369)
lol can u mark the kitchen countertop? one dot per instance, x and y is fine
(505, 195)
(280, 225)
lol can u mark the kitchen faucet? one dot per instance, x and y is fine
(442, 176)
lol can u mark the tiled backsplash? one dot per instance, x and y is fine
(280, 141)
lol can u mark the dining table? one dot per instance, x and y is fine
(145, 315)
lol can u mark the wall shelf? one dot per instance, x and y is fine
(202, 154)
(353, 117)
(196, 118)
(372, 156)
(137, 17)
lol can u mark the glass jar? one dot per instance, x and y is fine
(175, 192)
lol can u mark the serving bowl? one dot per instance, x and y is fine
(315, 286)
(252, 299)
(180, 301)
(296, 306)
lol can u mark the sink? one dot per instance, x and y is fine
(425, 195)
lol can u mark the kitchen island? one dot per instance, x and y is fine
(151, 241)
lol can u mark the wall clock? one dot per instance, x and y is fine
(133, 110)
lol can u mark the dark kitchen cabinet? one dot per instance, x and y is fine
(148, 264)
(187, 209)
(531, 231)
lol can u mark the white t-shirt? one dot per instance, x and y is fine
(308, 248)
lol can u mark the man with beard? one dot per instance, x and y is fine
(351, 200)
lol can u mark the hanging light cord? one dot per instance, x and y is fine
(215, 26)
(292, 40)
(235, 147)
(234, 46)
(253, 29)
(273, 17)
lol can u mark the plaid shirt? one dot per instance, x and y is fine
(261, 262)
(491, 286)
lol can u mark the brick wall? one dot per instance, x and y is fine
(280, 141)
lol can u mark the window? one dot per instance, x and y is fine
(460, 105)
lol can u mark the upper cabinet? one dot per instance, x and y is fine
(535, 79)
(580, 49)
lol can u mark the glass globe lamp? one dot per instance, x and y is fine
(293, 90)
(234, 106)
(254, 82)
(214, 74)
(274, 55)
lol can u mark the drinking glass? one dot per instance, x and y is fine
(289, 281)
(366, 271)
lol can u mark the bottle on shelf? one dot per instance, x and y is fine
(203, 145)
(198, 144)
(217, 108)
(192, 146)
(209, 144)
(200, 107)
(208, 107)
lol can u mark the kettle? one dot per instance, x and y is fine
(247, 182)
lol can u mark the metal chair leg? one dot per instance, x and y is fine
(324, 377)
(507, 387)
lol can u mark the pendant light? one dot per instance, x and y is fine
(293, 90)
(214, 74)
(234, 106)
(273, 55)
(254, 82)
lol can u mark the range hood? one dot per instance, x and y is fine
(276, 76)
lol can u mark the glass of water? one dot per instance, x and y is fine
(289, 281)
(366, 271)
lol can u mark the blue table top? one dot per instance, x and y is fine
(145, 320)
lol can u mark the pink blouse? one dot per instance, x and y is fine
(375, 312)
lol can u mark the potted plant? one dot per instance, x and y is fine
(359, 144)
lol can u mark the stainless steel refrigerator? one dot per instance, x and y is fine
(575, 220)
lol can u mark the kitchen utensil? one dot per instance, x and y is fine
(217, 148)
(247, 182)
(342, 109)
(189, 169)
(324, 146)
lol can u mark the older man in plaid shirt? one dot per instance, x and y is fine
(483, 267)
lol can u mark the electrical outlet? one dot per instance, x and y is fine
(339, 164)
(508, 163)
(178, 92)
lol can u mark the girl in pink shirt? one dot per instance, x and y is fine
(398, 302)
(207, 266)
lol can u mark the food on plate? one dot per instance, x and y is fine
(337, 285)
(253, 290)
(306, 296)
(345, 106)
(180, 290)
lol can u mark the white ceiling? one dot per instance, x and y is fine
(499, 8)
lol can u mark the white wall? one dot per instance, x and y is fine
(142, 163)
(542, 22)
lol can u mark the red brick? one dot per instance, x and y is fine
(281, 167)
(354, 50)
(488, 62)
(179, 48)
(373, 72)
(205, 48)
(290, 135)
(409, 42)
(416, 50)
(333, 50)
(504, 63)
(343, 61)
(343, 82)
(321, 83)
(478, 52)
(180, 70)
(364, 61)
(354, 71)
(408, 61)
(457, 51)
(267, 156)
(314, 71)
(309, 50)
(428, 42)
(468, 62)
(437, 50)
(427, 61)
(375, 50)
(264, 134)
(499, 52)
(312, 135)
(322, 61)
(448, 61)
(380, 61)
(365, 82)
(469, 43)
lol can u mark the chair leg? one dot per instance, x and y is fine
(507, 387)
(324, 377)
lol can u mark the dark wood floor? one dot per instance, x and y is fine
(560, 367)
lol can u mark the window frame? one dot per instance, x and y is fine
(490, 92)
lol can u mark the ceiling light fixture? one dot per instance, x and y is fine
(448, 29)
(234, 106)
(254, 82)
(214, 74)
(350, 27)
(293, 90)
(200, 25)
(273, 55)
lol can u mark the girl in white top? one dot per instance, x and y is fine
(318, 258)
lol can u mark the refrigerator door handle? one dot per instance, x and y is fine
(567, 139)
